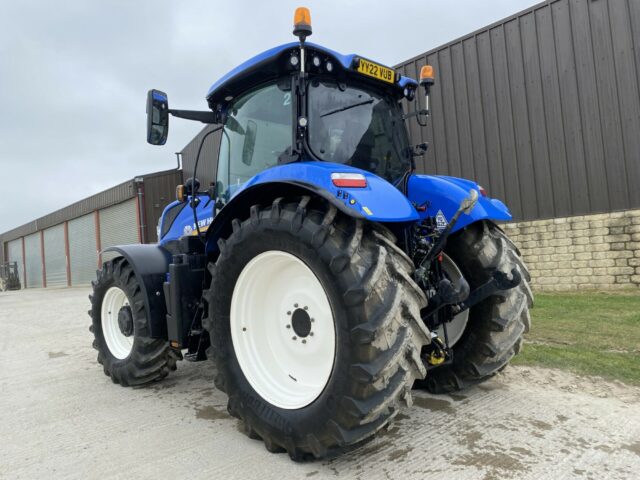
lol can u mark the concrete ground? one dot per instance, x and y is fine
(60, 417)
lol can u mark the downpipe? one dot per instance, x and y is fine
(141, 214)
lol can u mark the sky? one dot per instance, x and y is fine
(74, 76)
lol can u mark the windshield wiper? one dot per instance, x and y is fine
(342, 109)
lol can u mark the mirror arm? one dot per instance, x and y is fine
(204, 117)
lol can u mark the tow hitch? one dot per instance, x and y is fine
(454, 295)
(438, 352)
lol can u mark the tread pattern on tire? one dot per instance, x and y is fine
(497, 324)
(384, 334)
(150, 359)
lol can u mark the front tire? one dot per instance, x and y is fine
(127, 353)
(495, 327)
(365, 355)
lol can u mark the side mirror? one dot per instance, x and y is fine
(157, 117)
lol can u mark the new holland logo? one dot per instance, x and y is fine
(441, 221)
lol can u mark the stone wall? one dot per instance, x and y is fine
(581, 253)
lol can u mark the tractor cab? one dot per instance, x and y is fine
(302, 102)
(275, 113)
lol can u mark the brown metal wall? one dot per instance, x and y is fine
(208, 157)
(543, 108)
(159, 191)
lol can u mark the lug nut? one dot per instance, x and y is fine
(294, 338)
(311, 334)
(304, 341)
(288, 326)
(306, 308)
(289, 313)
(295, 305)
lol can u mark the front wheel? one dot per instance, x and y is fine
(315, 327)
(129, 356)
(486, 337)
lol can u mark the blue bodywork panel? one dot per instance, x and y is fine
(443, 195)
(183, 223)
(271, 55)
(379, 201)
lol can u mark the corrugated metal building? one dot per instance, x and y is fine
(208, 156)
(542, 108)
(62, 248)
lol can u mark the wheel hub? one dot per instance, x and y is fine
(301, 322)
(116, 321)
(457, 325)
(125, 321)
(282, 329)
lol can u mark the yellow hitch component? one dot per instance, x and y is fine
(436, 358)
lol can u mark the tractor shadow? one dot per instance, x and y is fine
(192, 385)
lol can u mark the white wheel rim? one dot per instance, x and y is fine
(456, 327)
(119, 345)
(276, 298)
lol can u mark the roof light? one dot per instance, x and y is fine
(426, 75)
(409, 93)
(302, 22)
(482, 191)
(329, 66)
(316, 61)
(349, 180)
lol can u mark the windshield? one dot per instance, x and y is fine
(256, 133)
(357, 127)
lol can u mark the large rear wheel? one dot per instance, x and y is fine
(315, 327)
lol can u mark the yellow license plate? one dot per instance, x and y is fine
(374, 70)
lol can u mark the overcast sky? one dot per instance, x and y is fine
(74, 76)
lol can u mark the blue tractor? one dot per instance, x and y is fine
(319, 273)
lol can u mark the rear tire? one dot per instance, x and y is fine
(494, 331)
(374, 315)
(136, 358)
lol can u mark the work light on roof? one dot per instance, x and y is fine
(302, 23)
(426, 75)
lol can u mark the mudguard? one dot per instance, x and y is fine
(379, 201)
(150, 264)
(442, 196)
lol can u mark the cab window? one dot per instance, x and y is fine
(258, 130)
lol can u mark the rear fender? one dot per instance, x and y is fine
(379, 201)
(150, 264)
(442, 196)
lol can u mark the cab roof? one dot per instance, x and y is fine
(272, 63)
